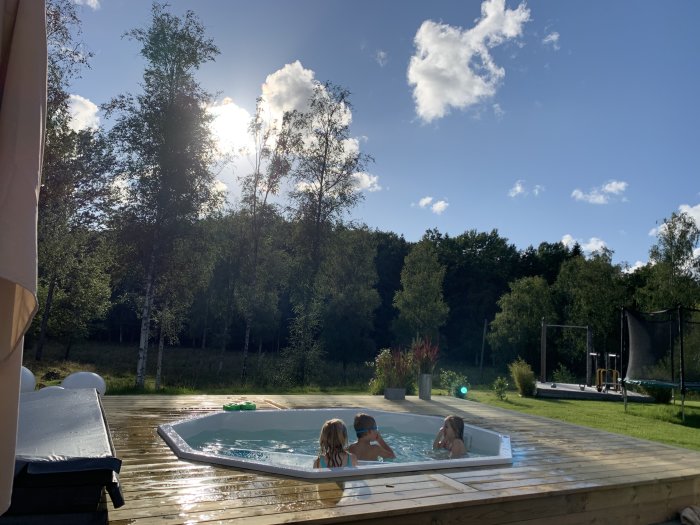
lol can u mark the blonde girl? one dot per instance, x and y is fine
(451, 437)
(333, 441)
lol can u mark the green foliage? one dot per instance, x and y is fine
(452, 381)
(301, 359)
(591, 292)
(563, 375)
(422, 310)
(347, 282)
(523, 377)
(516, 328)
(673, 277)
(478, 266)
(393, 369)
(500, 388)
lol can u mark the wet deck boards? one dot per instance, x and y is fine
(561, 474)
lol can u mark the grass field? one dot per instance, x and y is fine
(188, 371)
(655, 422)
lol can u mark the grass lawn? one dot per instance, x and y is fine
(655, 422)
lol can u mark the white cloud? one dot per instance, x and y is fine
(287, 89)
(439, 207)
(568, 240)
(425, 201)
(94, 4)
(452, 67)
(382, 58)
(692, 211)
(365, 181)
(615, 187)
(552, 39)
(519, 188)
(498, 111)
(636, 266)
(83, 113)
(602, 194)
(594, 244)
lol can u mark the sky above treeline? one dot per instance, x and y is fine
(570, 121)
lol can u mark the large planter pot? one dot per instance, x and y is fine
(394, 394)
(425, 385)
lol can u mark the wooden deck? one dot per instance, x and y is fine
(561, 474)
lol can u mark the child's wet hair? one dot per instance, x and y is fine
(457, 423)
(332, 441)
(363, 423)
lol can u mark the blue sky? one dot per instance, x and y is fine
(550, 121)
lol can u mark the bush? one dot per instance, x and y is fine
(660, 394)
(563, 375)
(393, 370)
(452, 381)
(523, 377)
(500, 387)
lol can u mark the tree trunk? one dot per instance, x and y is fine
(244, 366)
(206, 319)
(39, 351)
(145, 325)
(159, 361)
(68, 347)
(223, 349)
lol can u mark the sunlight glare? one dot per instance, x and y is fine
(230, 126)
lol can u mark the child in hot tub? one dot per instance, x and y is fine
(451, 437)
(367, 432)
(333, 442)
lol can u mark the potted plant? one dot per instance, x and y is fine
(425, 355)
(393, 373)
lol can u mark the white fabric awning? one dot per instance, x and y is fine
(23, 58)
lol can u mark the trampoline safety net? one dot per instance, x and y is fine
(664, 348)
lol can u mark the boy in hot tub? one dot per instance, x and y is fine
(367, 433)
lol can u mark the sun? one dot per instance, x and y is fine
(230, 126)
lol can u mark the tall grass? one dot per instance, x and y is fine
(188, 370)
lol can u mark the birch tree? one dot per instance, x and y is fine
(167, 150)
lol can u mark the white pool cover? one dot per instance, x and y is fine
(492, 448)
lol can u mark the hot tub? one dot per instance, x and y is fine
(286, 442)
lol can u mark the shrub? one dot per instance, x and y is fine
(523, 377)
(392, 370)
(563, 375)
(500, 388)
(452, 381)
(660, 394)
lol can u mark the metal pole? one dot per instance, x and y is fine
(680, 331)
(483, 343)
(589, 345)
(543, 353)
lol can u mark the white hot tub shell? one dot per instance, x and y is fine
(493, 448)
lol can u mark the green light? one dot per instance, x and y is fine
(463, 390)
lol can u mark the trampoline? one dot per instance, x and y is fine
(663, 350)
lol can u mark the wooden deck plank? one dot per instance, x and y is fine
(560, 472)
